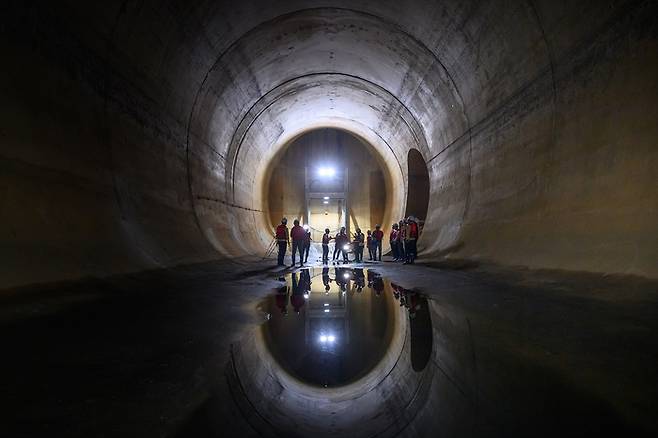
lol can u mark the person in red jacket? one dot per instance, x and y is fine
(298, 235)
(377, 237)
(282, 239)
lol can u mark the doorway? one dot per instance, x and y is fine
(418, 189)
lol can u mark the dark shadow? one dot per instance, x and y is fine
(418, 194)
(420, 321)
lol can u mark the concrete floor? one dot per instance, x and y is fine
(515, 353)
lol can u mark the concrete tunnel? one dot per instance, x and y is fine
(139, 139)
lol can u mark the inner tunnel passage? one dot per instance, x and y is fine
(150, 150)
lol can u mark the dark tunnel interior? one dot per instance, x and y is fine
(151, 148)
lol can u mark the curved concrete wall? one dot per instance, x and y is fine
(136, 135)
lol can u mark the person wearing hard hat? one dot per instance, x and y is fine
(369, 243)
(393, 241)
(283, 240)
(326, 238)
(359, 244)
(377, 237)
(402, 236)
(341, 240)
(298, 235)
(411, 238)
(307, 242)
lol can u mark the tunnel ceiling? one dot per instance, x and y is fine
(153, 123)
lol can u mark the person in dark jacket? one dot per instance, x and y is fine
(326, 238)
(341, 240)
(369, 244)
(307, 242)
(393, 241)
(402, 229)
(377, 237)
(359, 244)
(298, 236)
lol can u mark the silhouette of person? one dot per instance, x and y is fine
(326, 280)
(297, 299)
(281, 299)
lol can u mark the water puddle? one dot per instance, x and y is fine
(330, 327)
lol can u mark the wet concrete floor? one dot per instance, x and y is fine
(512, 353)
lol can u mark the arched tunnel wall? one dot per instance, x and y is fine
(134, 134)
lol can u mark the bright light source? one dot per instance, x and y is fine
(326, 198)
(346, 275)
(327, 310)
(346, 247)
(306, 296)
(326, 304)
(325, 202)
(331, 338)
(327, 171)
(306, 227)
(323, 338)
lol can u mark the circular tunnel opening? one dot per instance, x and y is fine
(418, 190)
(328, 178)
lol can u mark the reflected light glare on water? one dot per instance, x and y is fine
(337, 333)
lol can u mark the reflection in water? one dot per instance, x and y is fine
(338, 329)
(420, 323)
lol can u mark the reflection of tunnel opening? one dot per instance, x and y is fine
(418, 193)
(276, 397)
(294, 190)
(357, 325)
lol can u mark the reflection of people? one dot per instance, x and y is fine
(359, 279)
(378, 285)
(371, 276)
(305, 281)
(298, 290)
(408, 298)
(342, 278)
(325, 279)
(281, 299)
(396, 291)
(341, 241)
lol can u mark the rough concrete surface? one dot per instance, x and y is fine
(135, 145)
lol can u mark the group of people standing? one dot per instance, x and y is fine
(402, 239)
(301, 241)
